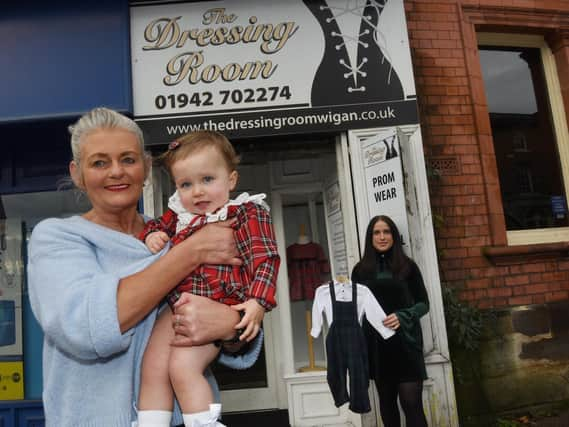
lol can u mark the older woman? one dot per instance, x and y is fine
(94, 287)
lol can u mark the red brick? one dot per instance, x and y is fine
(466, 295)
(499, 292)
(517, 280)
(474, 262)
(522, 300)
(476, 252)
(486, 304)
(536, 289)
(458, 252)
(500, 302)
(557, 296)
(560, 275)
(563, 265)
(478, 283)
(527, 268)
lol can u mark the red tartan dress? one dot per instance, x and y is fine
(308, 268)
(255, 278)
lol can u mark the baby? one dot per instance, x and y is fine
(203, 167)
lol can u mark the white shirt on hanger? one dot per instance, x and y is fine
(367, 304)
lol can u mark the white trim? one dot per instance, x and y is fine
(539, 235)
(347, 200)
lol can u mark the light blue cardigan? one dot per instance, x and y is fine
(91, 370)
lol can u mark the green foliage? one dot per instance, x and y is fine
(464, 322)
(500, 422)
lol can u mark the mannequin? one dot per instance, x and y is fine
(308, 268)
(303, 239)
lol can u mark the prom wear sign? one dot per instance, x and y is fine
(267, 67)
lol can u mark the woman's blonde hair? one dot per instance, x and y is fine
(97, 119)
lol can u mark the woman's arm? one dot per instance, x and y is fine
(89, 311)
(418, 292)
(408, 316)
(139, 293)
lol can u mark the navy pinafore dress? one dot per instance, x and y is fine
(347, 353)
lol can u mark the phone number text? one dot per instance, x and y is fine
(222, 97)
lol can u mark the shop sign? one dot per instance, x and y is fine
(267, 67)
(384, 179)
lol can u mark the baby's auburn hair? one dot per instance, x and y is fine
(195, 141)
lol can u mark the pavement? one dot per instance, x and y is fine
(560, 419)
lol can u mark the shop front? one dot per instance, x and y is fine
(319, 99)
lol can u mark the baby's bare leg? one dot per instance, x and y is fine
(155, 388)
(187, 366)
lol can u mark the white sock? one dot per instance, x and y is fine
(154, 418)
(200, 418)
(205, 418)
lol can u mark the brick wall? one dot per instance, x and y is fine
(456, 128)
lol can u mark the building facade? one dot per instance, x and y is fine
(493, 90)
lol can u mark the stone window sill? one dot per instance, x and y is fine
(519, 254)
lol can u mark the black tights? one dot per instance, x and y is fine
(410, 398)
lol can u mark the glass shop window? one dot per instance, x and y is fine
(20, 334)
(517, 81)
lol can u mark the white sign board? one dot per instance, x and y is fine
(379, 162)
(267, 67)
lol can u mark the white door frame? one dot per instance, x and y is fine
(438, 391)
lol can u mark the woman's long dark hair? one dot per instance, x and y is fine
(398, 262)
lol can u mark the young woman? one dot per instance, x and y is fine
(397, 364)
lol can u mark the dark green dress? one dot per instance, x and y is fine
(399, 358)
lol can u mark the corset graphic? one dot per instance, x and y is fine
(390, 151)
(369, 75)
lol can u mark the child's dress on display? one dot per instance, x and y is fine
(308, 268)
(256, 243)
(344, 305)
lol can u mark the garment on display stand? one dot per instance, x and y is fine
(366, 304)
(345, 305)
(308, 268)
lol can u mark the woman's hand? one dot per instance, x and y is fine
(215, 244)
(199, 320)
(391, 321)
